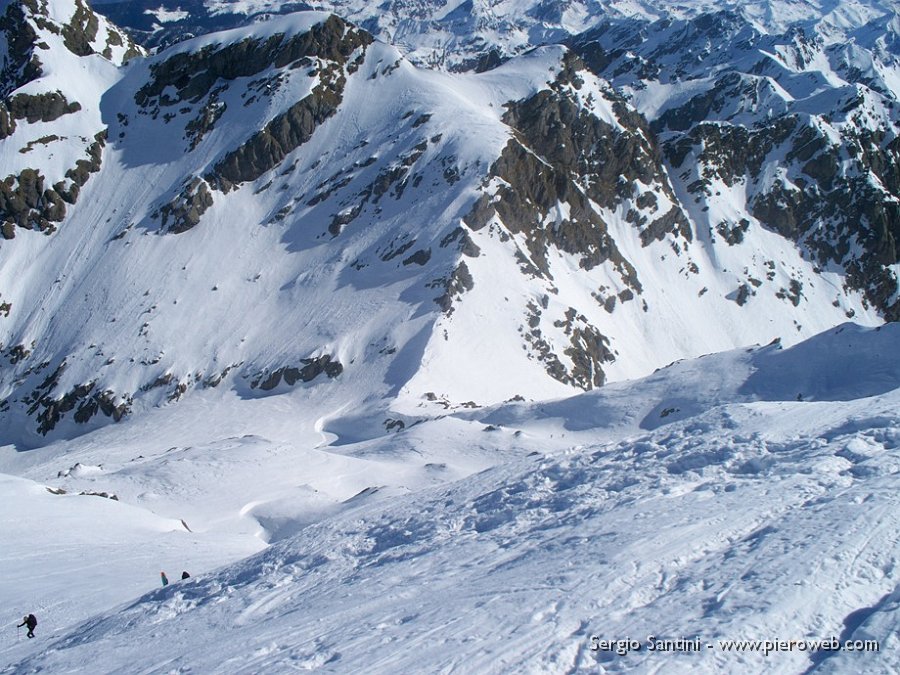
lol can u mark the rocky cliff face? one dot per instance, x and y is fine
(563, 158)
(799, 134)
(34, 96)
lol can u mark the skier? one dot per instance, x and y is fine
(164, 578)
(185, 575)
(29, 621)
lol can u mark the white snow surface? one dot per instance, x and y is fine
(164, 15)
(746, 495)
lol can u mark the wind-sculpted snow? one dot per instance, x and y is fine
(724, 525)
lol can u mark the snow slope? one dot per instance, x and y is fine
(345, 264)
(337, 305)
(705, 501)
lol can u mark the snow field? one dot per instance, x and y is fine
(751, 516)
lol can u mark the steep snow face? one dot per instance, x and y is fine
(707, 502)
(268, 137)
(293, 205)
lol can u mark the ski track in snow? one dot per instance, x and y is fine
(749, 518)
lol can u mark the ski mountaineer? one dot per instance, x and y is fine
(164, 578)
(29, 621)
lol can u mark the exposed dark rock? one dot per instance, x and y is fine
(733, 233)
(781, 210)
(43, 140)
(25, 202)
(18, 353)
(216, 379)
(266, 149)
(703, 106)
(85, 167)
(194, 74)
(459, 282)
(161, 381)
(105, 495)
(480, 214)
(41, 107)
(730, 152)
(792, 294)
(390, 177)
(843, 208)
(340, 220)
(394, 425)
(673, 221)
(420, 257)
(466, 246)
(81, 31)
(186, 209)
(589, 351)
(394, 251)
(7, 122)
(23, 66)
(742, 294)
(488, 61)
(310, 370)
(198, 127)
(562, 154)
(84, 397)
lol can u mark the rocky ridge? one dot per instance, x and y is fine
(806, 138)
(33, 96)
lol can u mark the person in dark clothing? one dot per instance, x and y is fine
(29, 621)
(185, 575)
(164, 578)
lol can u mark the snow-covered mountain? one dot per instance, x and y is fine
(706, 501)
(800, 93)
(462, 33)
(295, 204)
(447, 314)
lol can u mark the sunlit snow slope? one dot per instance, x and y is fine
(293, 206)
(749, 495)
